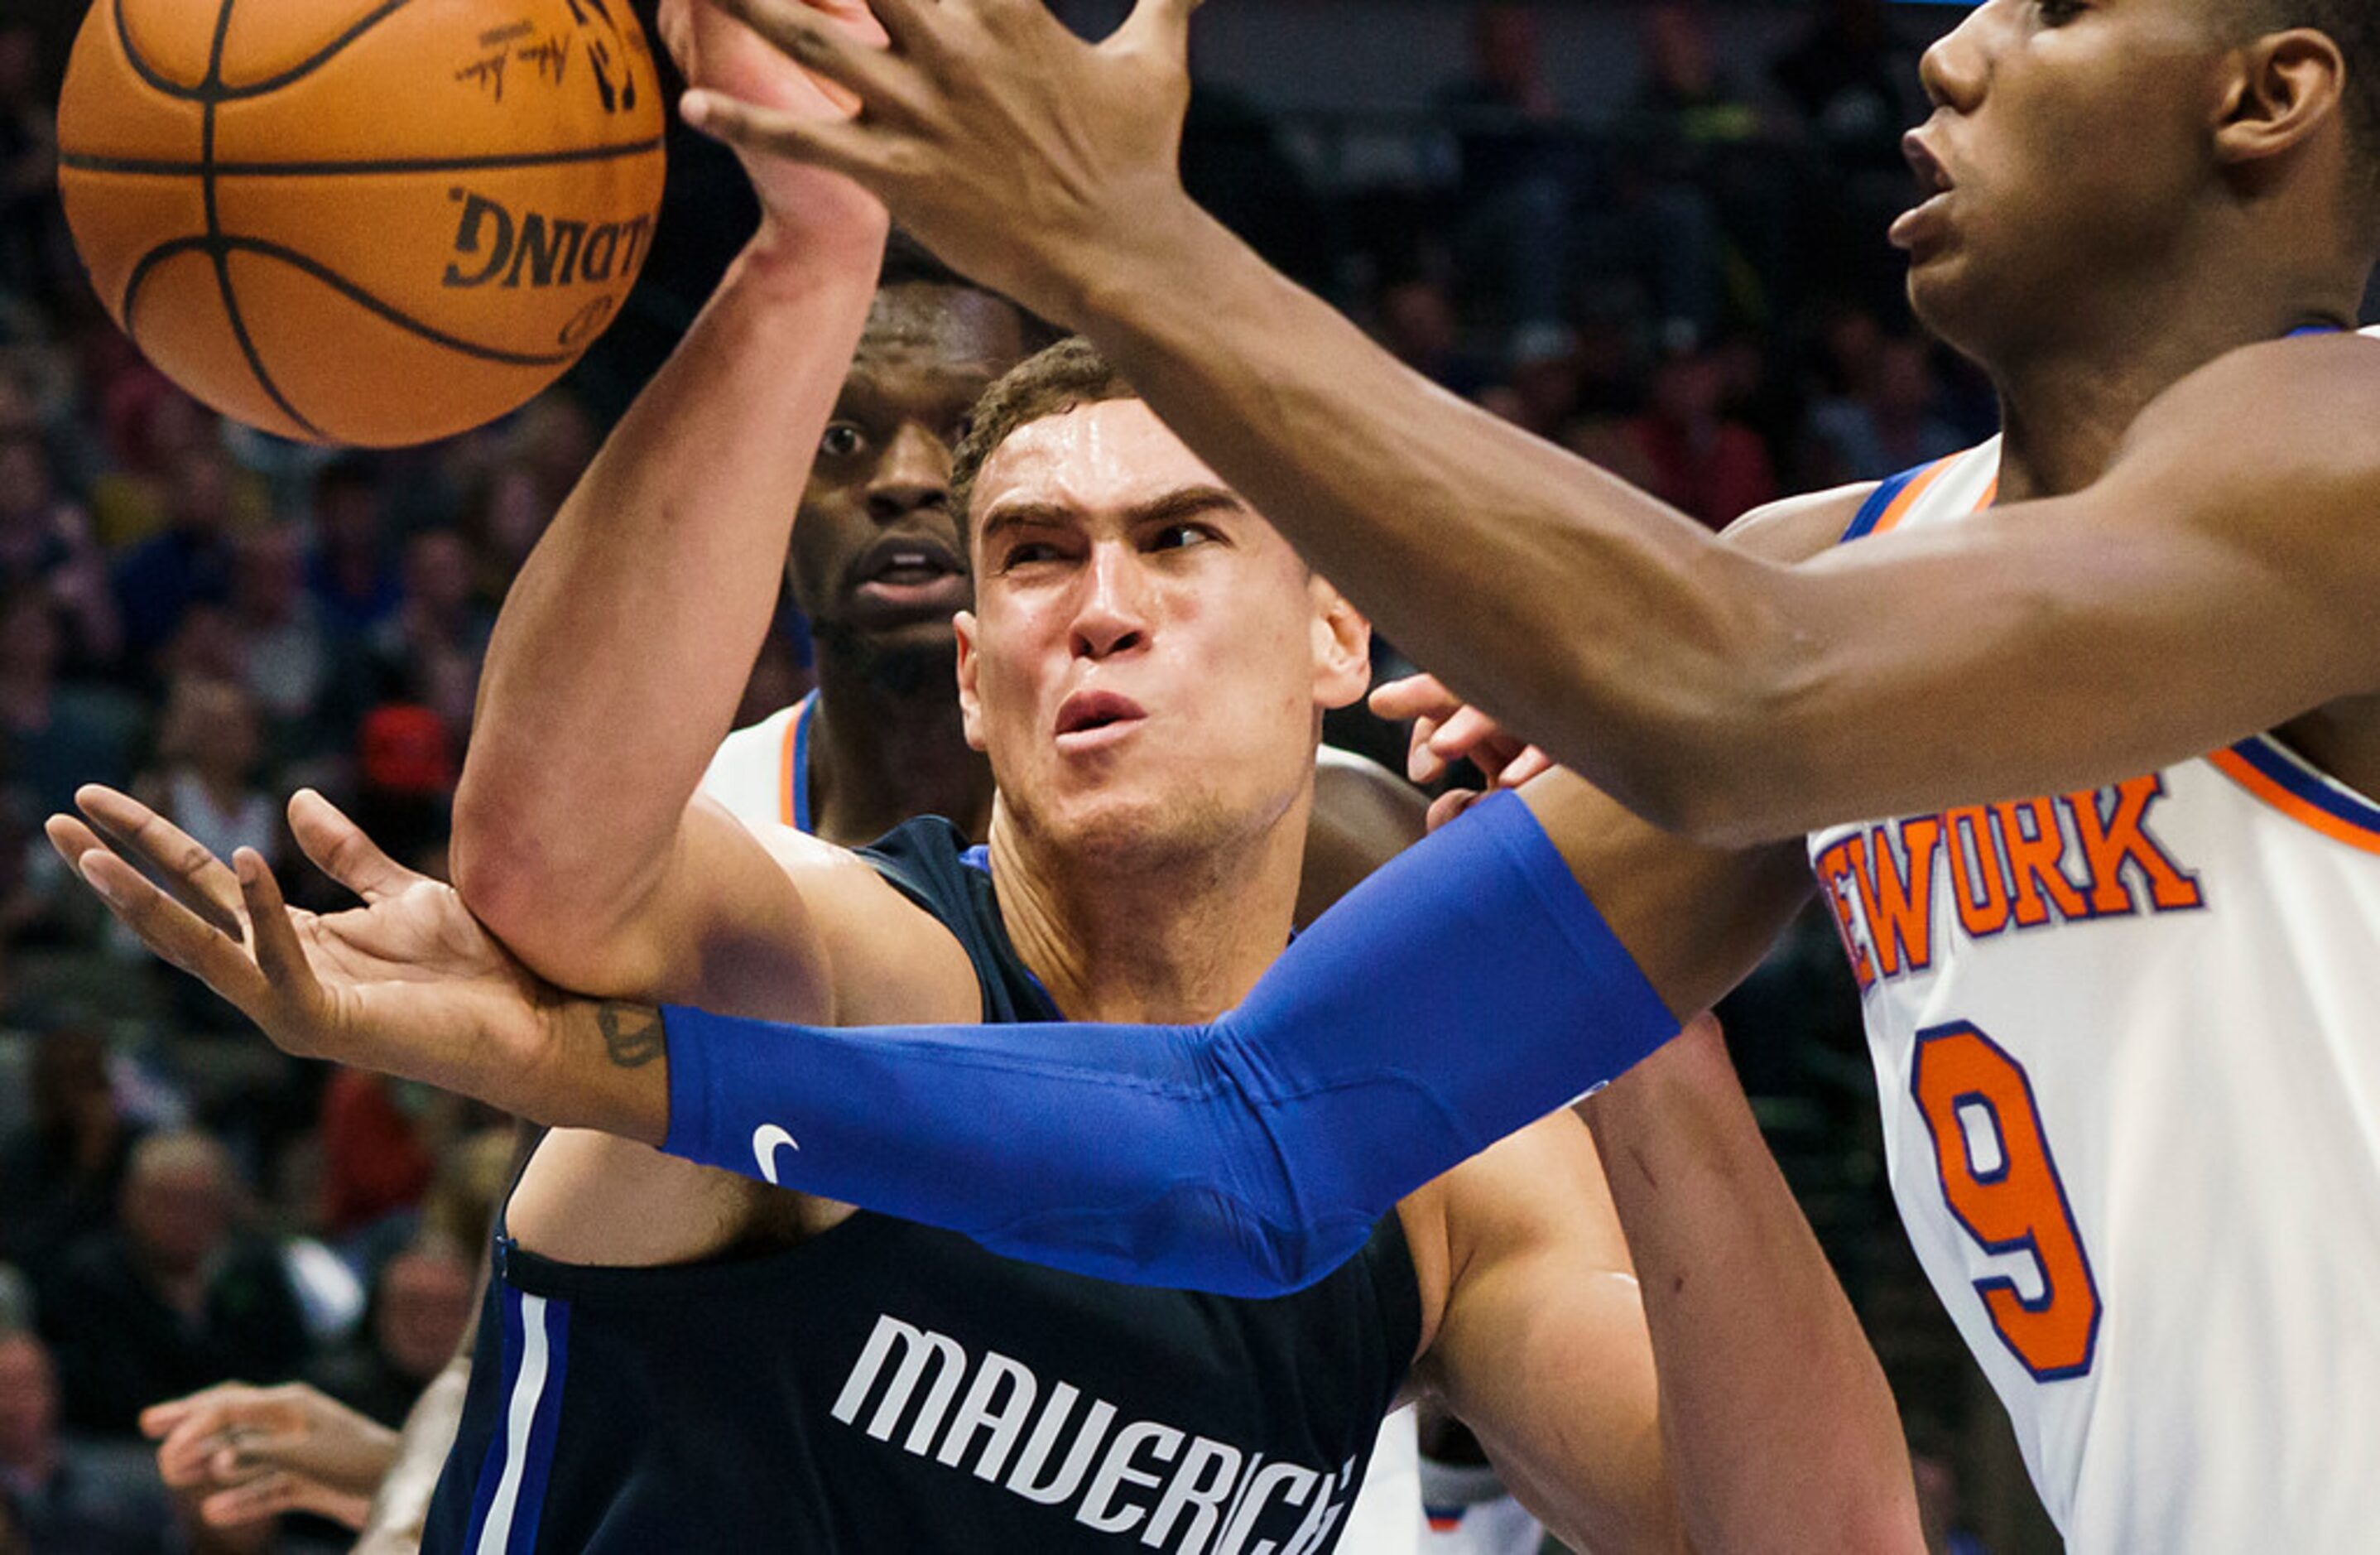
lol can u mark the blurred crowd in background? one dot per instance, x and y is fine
(1689, 285)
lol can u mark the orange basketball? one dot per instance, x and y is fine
(372, 222)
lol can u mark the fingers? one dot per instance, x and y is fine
(838, 148)
(177, 934)
(341, 850)
(1471, 736)
(824, 47)
(1416, 696)
(193, 877)
(278, 953)
(72, 837)
(1423, 763)
(916, 26)
(1463, 730)
(229, 1416)
(275, 1491)
(1530, 764)
(1448, 805)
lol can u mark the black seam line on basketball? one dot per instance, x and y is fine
(213, 89)
(141, 67)
(82, 162)
(352, 292)
(216, 252)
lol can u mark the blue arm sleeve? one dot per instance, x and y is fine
(1466, 990)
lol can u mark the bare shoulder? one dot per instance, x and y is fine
(1542, 1182)
(2300, 412)
(880, 958)
(1539, 1190)
(1799, 527)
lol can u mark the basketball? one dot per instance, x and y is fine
(370, 222)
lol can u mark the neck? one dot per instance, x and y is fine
(1162, 936)
(882, 753)
(2070, 391)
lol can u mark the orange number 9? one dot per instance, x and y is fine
(1977, 1100)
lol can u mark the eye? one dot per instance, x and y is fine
(1025, 553)
(2057, 12)
(841, 440)
(1181, 537)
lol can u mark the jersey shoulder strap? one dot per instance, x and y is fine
(1894, 498)
(925, 860)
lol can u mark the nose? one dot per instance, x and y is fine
(915, 473)
(1112, 616)
(1955, 69)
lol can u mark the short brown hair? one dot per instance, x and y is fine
(1050, 382)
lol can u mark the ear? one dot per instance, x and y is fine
(970, 704)
(2280, 90)
(1342, 646)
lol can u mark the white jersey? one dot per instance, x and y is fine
(761, 775)
(2128, 1046)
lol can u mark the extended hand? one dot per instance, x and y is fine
(1008, 145)
(256, 1451)
(408, 984)
(1447, 730)
(803, 206)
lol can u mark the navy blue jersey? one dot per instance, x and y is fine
(889, 1387)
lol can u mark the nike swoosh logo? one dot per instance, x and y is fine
(767, 1140)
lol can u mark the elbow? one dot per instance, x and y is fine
(507, 880)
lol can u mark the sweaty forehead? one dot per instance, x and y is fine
(1096, 458)
(953, 325)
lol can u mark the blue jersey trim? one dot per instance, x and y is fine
(544, 1431)
(2269, 759)
(799, 780)
(1880, 502)
(491, 1466)
(517, 1535)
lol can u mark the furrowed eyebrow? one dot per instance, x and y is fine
(1187, 503)
(1022, 516)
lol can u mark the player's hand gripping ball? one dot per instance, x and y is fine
(372, 222)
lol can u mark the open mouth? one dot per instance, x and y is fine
(1087, 715)
(910, 570)
(1925, 226)
(1933, 178)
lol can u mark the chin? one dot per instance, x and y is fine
(1136, 833)
(913, 656)
(1945, 303)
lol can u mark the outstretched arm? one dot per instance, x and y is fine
(1708, 688)
(623, 644)
(1243, 1156)
(1467, 988)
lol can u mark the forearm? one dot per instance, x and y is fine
(1465, 990)
(634, 625)
(1623, 632)
(1770, 1395)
